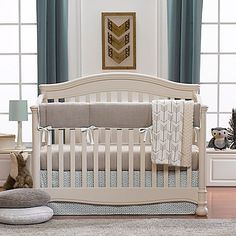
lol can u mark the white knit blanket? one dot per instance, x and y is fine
(172, 132)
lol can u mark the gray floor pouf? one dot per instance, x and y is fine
(18, 216)
(23, 197)
(24, 206)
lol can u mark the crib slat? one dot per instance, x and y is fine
(119, 96)
(72, 99)
(78, 135)
(131, 157)
(72, 158)
(130, 96)
(150, 98)
(61, 159)
(67, 136)
(154, 175)
(136, 136)
(124, 96)
(56, 136)
(87, 98)
(142, 160)
(56, 100)
(95, 154)
(166, 173)
(98, 97)
(107, 156)
(119, 158)
(84, 160)
(189, 177)
(108, 96)
(177, 176)
(140, 97)
(49, 165)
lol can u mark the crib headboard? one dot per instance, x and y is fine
(117, 87)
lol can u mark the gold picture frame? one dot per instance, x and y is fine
(118, 40)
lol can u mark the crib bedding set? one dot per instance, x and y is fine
(122, 157)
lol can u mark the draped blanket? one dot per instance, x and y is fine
(172, 132)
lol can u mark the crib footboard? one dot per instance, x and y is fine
(130, 194)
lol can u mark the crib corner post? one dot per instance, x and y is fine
(35, 158)
(202, 192)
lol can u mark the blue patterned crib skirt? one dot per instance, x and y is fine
(165, 208)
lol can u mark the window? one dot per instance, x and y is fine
(18, 60)
(218, 61)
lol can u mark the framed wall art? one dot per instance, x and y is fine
(118, 40)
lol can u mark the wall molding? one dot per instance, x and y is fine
(162, 39)
(74, 39)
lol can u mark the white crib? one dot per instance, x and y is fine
(114, 87)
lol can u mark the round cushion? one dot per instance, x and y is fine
(23, 198)
(24, 216)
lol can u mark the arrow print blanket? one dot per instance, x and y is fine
(172, 132)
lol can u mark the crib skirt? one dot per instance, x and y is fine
(165, 208)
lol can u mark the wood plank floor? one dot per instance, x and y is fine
(221, 204)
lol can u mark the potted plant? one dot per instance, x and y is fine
(232, 130)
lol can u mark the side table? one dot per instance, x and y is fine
(221, 167)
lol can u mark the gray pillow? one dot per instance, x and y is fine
(26, 216)
(24, 197)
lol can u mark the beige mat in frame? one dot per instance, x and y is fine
(118, 40)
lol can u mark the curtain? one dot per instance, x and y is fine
(184, 40)
(52, 34)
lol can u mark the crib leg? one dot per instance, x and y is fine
(202, 203)
(202, 192)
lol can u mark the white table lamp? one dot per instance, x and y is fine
(18, 112)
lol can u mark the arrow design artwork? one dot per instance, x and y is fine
(118, 30)
(118, 43)
(118, 40)
(118, 57)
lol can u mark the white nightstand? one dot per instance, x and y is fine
(221, 167)
(5, 163)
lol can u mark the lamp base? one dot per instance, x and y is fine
(20, 147)
(19, 144)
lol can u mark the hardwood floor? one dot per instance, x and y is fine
(221, 204)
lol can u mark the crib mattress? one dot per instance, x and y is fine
(101, 157)
(68, 208)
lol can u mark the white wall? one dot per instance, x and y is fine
(85, 39)
(146, 32)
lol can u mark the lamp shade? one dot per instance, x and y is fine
(18, 110)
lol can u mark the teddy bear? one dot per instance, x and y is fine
(219, 140)
(19, 176)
